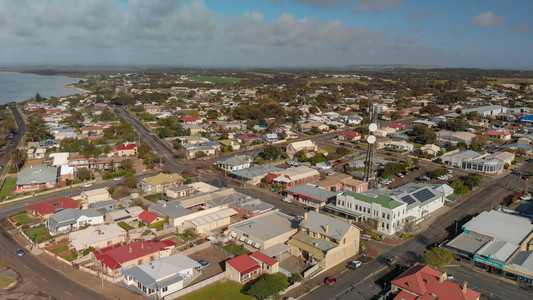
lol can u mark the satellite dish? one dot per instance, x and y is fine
(371, 139)
(373, 127)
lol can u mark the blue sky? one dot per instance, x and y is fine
(268, 33)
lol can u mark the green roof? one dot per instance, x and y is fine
(384, 201)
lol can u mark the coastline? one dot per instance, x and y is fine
(83, 91)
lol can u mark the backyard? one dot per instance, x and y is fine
(22, 219)
(219, 290)
(235, 249)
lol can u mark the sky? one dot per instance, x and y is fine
(267, 33)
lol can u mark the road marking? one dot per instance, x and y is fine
(68, 293)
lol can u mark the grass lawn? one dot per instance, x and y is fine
(496, 80)
(125, 226)
(187, 237)
(219, 290)
(236, 250)
(215, 79)
(60, 249)
(5, 281)
(154, 197)
(72, 256)
(3, 263)
(22, 219)
(38, 234)
(329, 149)
(334, 80)
(8, 188)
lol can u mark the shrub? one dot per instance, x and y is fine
(88, 250)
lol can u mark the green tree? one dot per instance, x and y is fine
(38, 97)
(271, 152)
(126, 164)
(460, 188)
(83, 174)
(212, 114)
(268, 285)
(130, 181)
(423, 134)
(342, 151)
(438, 257)
(431, 109)
(18, 158)
(36, 129)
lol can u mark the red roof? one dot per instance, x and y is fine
(250, 136)
(403, 295)
(114, 257)
(148, 216)
(189, 118)
(52, 206)
(264, 258)
(127, 147)
(244, 264)
(95, 137)
(497, 133)
(396, 125)
(350, 134)
(424, 281)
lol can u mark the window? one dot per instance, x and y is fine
(140, 262)
(388, 216)
(383, 215)
(109, 243)
(164, 289)
(152, 258)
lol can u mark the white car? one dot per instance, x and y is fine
(87, 185)
(286, 200)
(117, 179)
(355, 264)
(525, 197)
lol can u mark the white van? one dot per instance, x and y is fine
(366, 237)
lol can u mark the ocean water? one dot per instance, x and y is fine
(22, 86)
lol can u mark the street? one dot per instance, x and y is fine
(5, 155)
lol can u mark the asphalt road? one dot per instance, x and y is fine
(43, 278)
(5, 155)
(443, 228)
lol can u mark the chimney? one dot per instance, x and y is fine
(464, 287)
(442, 277)
(327, 228)
(131, 250)
(306, 215)
(408, 283)
(99, 232)
(142, 246)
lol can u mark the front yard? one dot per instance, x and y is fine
(8, 188)
(38, 234)
(219, 290)
(22, 219)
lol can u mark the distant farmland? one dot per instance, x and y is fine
(215, 79)
(496, 80)
(334, 80)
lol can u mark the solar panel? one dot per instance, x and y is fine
(423, 195)
(408, 199)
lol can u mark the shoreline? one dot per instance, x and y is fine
(83, 91)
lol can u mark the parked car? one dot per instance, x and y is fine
(331, 280)
(87, 185)
(117, 179)
(399, 175)
(286, 199)
(366, 237)
(525, 197)
(203, 264)
(525, 177)
(19, 252)
(355, 264)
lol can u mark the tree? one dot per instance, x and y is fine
(83, 174)
(268, 285)
(130, 181)
(341, 151)
(317, 158)
(423, 134)
(438, 257)
(271, 152)
(36, 129)
(212, 114)
(460, 188)
(431, 109)
(126, 164)
(18, 158)
(38, 97)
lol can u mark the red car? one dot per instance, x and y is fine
(331, 280)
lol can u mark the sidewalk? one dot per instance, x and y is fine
(92, 282)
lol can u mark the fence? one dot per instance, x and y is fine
(311, 271)
(195, 249)
(283, 271)
(220, 249)
(196, 286)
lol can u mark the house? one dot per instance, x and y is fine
(255, 174)
(310, 194)
(149, 217)
(128, 214)
(111, 259)
(161, 277)
(397, 126)
(503, 156)
(353, 119)
(293, 177)
(269, 265)
(69, 219)
(87, 198)
(249, 138)
(423, 282)
(44, 210)
(484, 165)
(263, 231)
(387, 213)
(252, 208)
(124, 150)
(37, 178)
(384, 132)
(197, 151)
(456, 159)
(270, 137)
(399, 146)
(430, 149)
(350, 136)
(233, 144)
(342, 182)
(325, 240)
(502, 135)
(308, 126)
(515, 146)
(307, 145)
(189, 119)
(97, 237)
(160, 182)
(235, 163)
(243, 268)
(421, 199)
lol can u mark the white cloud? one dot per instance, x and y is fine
(523, 27)
(487, 20)
(376, 6)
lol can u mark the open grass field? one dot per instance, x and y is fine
(219, 290)
(8, 188)
(261, 74)
(22, 219)
(496, 80)
(334, 80)
(215, 79)
(6, 281)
